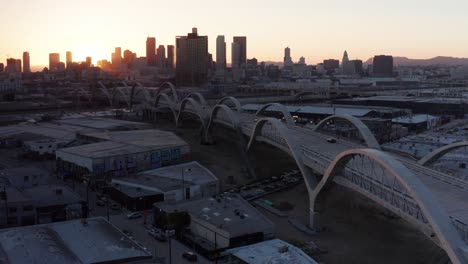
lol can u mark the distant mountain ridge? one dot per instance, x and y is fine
(439, 60)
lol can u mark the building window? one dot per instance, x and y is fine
(12, 209)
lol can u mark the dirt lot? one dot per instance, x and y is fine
(357, 230)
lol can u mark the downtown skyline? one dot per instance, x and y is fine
(315, 30)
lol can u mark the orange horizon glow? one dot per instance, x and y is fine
(317, 30)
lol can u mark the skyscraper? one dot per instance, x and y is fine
(117, 58)
(26, 62)
(161, 56)
(54, 61)
(242, 54)
(2, 67)
(13, 66)
(129, 58)
(383, 66)
(235, 55)
(89, 61)
(220, 53)
(192, 59)
(330, 65)
(69, 59)
(151, 51)
(170, 56)
(346, 66)
(287, 57)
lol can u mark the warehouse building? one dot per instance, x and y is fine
(219, 222)
(171, 184)
(270, 251)
(121, 153)
(92, 240)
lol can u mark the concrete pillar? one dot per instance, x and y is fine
(314, 220)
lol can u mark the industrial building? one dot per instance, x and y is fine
(418, 123)
(24, 177)
(121, 153)
(38, 205)
(219, 222)
(92, 240)
(270, 251)
(171, 184)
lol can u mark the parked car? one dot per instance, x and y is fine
(134, 215)
(190, 256)
(100, 203)
(331, 140)
(115, 206)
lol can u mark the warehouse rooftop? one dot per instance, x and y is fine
(92, 241)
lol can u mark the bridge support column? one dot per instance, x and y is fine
(314, 220)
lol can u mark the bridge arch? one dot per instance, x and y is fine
(438, 153)
(198, 96)
(292, 147)
(282, 108)
(169, 105)
(364, 130)
(106, 92)
(168, 85)
(449, 238)
(233, 100)
(126, 98)
(229, 113)
(198, 110)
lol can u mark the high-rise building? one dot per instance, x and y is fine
(26, 62)
(287, 57)
(13, 66)
(89, 61)
(220, 53)
(117, 58)
(129, 58)
(170, 56)
(54, 61)
(357, 66)
(69, 59)
(192, 59)
(383, 66)
(151, 51)
(242, 53)
(346, 66)
(161, 56)
(302, 61)
(330, 65)
(2, 67)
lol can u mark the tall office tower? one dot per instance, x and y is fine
(287, 57)
(54, 61)
(357, 66)
(2, 67)
(161, 56)
(117, 58)
(192, 59)
(26, 62)
(170, 56)
(89, 61)
(235, 55)
(242, 54)
(18, 66)
(69, 59)
(302, 61)
(151, 51)
(383, 66)
(129, 58)
(330, 65)
(220, 53)
(346, 66)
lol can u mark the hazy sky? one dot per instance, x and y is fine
(311, 28)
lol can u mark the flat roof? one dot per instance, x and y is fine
(323, 109)
(102, 123)
(414, 119)
(69, 242)
(147, 137)
(164, 179)
(48, 195)
(271, 251)
(222, 214)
